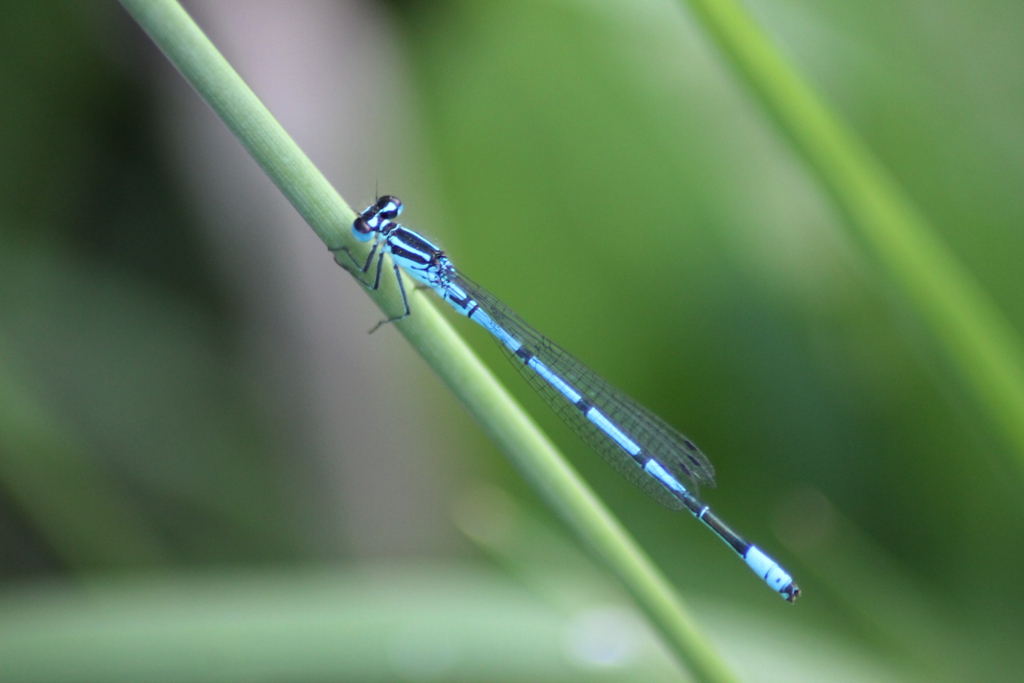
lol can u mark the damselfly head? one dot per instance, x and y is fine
(388, 207)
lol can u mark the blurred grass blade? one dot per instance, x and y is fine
(208, 72)
(980, 342)
(439, 622)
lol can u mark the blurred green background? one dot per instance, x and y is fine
(208, 471)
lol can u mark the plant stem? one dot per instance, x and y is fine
(979, 341)
(201, 64)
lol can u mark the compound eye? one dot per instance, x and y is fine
(361, 229)
(389, 207)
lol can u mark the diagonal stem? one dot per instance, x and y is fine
(201, 64)
(975, 335)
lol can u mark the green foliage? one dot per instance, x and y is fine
(602, 151)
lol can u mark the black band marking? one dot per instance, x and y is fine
(524, 355)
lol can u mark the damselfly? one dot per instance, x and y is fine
(635, 441)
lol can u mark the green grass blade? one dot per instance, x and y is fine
(979, 341)
(198, 60)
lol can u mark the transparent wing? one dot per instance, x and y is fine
(658, 439)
